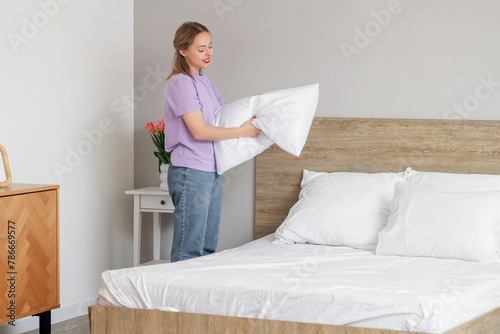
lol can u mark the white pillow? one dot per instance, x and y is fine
(340, 209)
(232, 152)
(452, 225)
(284, 116)
(315, 184)
(451, 182)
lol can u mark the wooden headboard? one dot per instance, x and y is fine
(372, 146)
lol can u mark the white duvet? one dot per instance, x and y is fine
(318, 284)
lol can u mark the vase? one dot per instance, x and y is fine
(163, 177)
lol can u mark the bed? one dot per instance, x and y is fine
(334, 145)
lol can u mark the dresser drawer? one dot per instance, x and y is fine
(156, 202)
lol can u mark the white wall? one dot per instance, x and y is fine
(65, 67)
(427, 59)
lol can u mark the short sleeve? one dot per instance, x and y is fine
(181, 95)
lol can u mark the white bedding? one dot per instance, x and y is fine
(319, 284)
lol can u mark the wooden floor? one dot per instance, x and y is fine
(79, 325)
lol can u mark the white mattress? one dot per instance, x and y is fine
(319, 284)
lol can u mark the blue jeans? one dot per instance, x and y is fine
(197, 197)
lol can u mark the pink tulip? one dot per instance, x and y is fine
(150, 127)
(160, 124)
(157, 127)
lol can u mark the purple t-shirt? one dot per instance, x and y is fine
(182, 96)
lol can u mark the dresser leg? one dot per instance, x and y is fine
(44, 322)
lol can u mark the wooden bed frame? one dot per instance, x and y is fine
(334, 145)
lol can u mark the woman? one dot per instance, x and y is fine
(191, 100)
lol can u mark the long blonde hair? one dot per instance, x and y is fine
(184, 37)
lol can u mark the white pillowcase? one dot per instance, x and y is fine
(340, 209)
(284, 116)
(451, 182)
(452, 225)
(316, 184)
(233, 152)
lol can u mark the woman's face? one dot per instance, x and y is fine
(198, 54)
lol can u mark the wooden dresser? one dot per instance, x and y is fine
(29, 252)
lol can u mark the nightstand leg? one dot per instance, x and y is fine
(137, 230)
(156, 235)
(44, 322)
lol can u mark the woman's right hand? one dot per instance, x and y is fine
(249, 130)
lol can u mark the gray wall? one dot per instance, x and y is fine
(399, 59)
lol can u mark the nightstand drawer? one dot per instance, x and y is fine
(156, 202)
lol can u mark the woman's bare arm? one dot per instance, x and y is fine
(202, 131)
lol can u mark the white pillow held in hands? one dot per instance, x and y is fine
(233, 152)
(284, 116)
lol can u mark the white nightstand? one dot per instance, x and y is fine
(154, 200)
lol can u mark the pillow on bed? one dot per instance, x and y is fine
(452, 225)
(284, 116)
(340, 209)
(451, 182)
(315, 184)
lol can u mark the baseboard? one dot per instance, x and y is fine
(61, 314)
